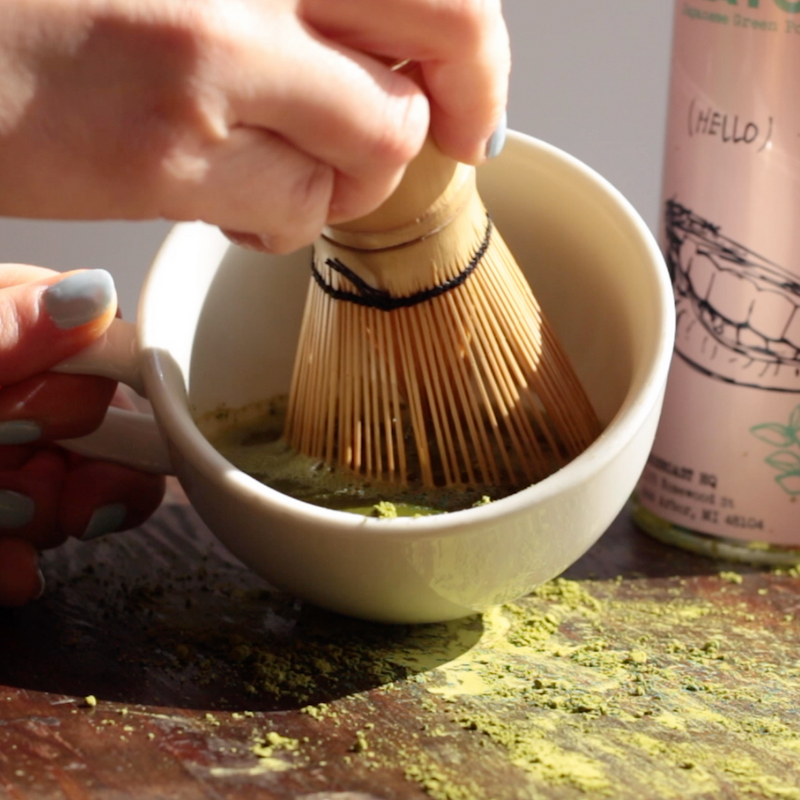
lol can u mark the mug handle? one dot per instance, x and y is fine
(130, 438)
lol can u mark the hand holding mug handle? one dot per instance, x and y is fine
(125, 437)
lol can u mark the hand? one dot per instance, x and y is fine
(46, 493)
(268, 118)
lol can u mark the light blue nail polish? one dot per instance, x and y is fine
(497, 140)
(79, 298)
(16, 509)
(19, 431)
(106, 519)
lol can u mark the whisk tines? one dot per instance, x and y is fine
(425, 358)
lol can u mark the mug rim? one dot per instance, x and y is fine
(174, 414)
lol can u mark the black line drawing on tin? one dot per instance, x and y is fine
(738, 314)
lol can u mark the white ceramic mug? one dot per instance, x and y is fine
(218, 325)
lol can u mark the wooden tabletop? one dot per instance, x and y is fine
(644, 672)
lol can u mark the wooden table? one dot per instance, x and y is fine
(644, 672)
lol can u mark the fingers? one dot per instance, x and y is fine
(260, 185)
(461, 45)
(30, 496)
(20, 579)
(48, 319)
(13, 274)
(342, 108)
(268, 119)
(48, 407)
(323, 139)
(101, 498)
(328, 136)
(305, 192)
(47, 495)
(54, 495)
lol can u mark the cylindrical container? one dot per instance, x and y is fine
(724, 474)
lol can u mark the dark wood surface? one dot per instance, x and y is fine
(644, 672)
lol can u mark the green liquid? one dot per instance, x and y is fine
(254, 445)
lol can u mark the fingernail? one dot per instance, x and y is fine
(250, 241)
(106, 519)
(266, 243)
(42, 584)
(16, 509)
(497, 140)
(239, 238)
(79, 298)
(19, 431)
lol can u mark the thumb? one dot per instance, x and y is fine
(43, 322)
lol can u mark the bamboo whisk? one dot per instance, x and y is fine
(424, 357)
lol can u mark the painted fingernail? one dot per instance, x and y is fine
(19, 431)
(79, 298)
(105, 520)
(16, 509)
(42, 584)
(497, 140)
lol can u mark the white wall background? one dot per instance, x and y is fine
(589, 76)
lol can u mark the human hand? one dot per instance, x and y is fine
(46, 493)
(268, 118)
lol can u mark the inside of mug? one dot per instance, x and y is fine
(572, 235)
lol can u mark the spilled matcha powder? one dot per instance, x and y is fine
(672, 686)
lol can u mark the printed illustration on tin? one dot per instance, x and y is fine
(784, 439)
(738, 314)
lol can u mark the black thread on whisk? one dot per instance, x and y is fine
(378, 298)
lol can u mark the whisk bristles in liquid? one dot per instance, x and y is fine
(447, 375)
